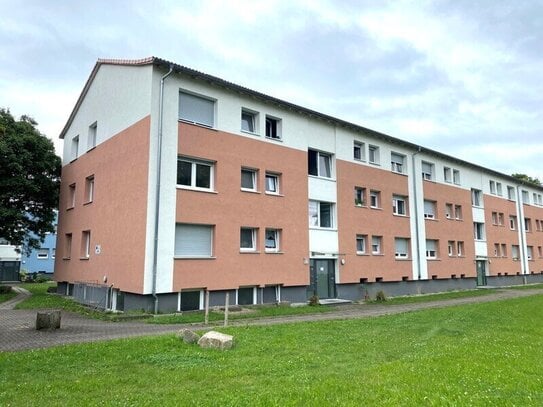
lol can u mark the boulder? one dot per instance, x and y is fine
(188, 336)
(48, 320)
(216, 340)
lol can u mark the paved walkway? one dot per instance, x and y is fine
(22, 294)
(17, 327)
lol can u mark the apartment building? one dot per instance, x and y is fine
(176, 184)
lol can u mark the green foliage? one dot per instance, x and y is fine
(479, 354)
(29, 182)
(380, 296)
(314, 300)
(527, 179)
(5, 289)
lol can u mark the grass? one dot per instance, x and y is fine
(478, 354)
(411, 299)
(7, 296)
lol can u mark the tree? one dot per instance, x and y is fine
(527, 179)
(29, 182)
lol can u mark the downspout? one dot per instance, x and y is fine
(523, 255)
(157, 197)
(416, 206)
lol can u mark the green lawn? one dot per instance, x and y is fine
(478, 354)
(7, 296)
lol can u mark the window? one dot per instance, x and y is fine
(53, 252)
(512, 222)
(429, 209)
(497, 252)
(397, 163)
(450, 248)
(460, 248)
(92, 136)
(401, 246)
(196, 109)
(447, 174)
(321, 214)
(539, 251)
(492, 187)
(376, 244)
(528, 224)
(272, 183)
(534, 198)
(476, 197)
(373, 154)
(247, 239)
(494, 218)
(319, 164)
(456, 177)
(537, 225)
(499, 188)
(375, 199)
(75, 148)
(515, 252)
(479, 230)
(68, 245)
(248, 179)
(399, 205)
(525, 197)
(89, 189)
(361, 244)
(85, 244)
(501, 220)
(458, 212)
(359, 152)
(427, 171)
(272, 240)
(42, 254)
(246, 295)
(431, 248)
(71, 196)
(193, 240)
(449, 211)
(248, 121)
(530, 252)
(359, 196)
(511, 193)
(504, 250)
(194, 174)
(273, 128)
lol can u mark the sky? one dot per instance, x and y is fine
(464, 77)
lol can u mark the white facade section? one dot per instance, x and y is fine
(321, 189)
(118, 97)
(478, 214)
(9, 253)
(481, 249)
(417, 223)
(323, 242)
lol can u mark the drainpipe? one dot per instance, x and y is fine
(157, 197)
(523, 255)
(416, 206)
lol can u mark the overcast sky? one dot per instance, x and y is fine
(464, 77)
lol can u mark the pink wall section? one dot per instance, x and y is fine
(230, 208)
(353, 220)
(116, 217)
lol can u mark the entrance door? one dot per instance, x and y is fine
(323, 278)
(481, 272)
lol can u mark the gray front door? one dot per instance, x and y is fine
(481, 272)
(323, 278)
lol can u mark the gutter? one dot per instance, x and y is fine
(157, 197)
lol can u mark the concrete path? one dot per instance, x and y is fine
(17, 327)
(22, 294)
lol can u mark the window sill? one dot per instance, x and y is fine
(87, 203)
(323, 178)
(187, 188)
(362, 254)
(399, 173)
(360, 206)
(70, 208)
(66, 258)
(360, 160)
(402, 259)
(194, 257)
(399, 215)
(251, 191)
(322, 228)
(90, 149)
(249, 252)
(273, 194)
(378, 254)
(280, 140)
(274, 252)
(376, 208)
(249, 132)
(374, 163)
(432, 259)
(205, 126)
(84, 258)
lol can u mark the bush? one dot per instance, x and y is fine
(314, 300)
(380, 296)
(5, 289)
(41, 279)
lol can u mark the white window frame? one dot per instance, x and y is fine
(456, 177)
(359, 196)
(276, 183)
(251, 117)
(399, 252)
(428, 170)
(499, 188)
(492, 185)
(450, 248)
(89, 189)
(253, 246)
(253, 173)
(192, 255)
(479, 231)
(399, 205)
(318, 214)
(85, 244)
(361, 147)
(430, 214)
(42, 253)
(75, 148)
(397, 163)
(447, 174)
(431, 248)
(449, 211)
(363, 239)
(458, 212)
(276, 238)
(530, 252)
(321, 171)
(476, 197)
(376, 244)
(91, 141)
(202, 100)
(375, 198)
(271, 122)
(374, 154)
(513, 222)
(71, 195)
(194, 166)
(460, 248)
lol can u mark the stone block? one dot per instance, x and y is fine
(216, 340)
(48, 320)
(188, 336)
